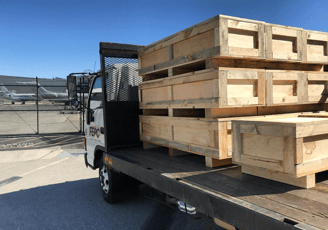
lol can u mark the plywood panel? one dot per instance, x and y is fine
(192, 45)
(315, 147)
(196, 136)
(317, 88)
(155, 130)
(195, 90)
(156, 94)
(316, 49)
(153, 58)
(263, 146)
(243, 90)
(242, 38)
(283, 46)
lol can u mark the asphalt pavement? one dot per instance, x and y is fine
(51, 188)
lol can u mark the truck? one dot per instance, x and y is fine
(223, 193)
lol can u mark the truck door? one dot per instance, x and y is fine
(94, 127)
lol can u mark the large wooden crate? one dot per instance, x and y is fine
(211, 88)
(233, 38)
(218, 36)
(235, 87)
(288, 149)
(209, 137)
(206, 137)
(296, 87)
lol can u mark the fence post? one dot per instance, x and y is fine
(80, 107)
(83, 108)
(37, 104)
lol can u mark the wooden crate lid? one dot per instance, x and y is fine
(303, 125)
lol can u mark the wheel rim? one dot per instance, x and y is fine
(104, 179)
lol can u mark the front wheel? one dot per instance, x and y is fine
(106, 183)
(104, 179)
(116, 186)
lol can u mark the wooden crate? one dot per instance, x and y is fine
(233, 38)
(218, 36)
(289, 149)
(210, 88)
(316, 47)
(209, 137)
(295, 87)
(206, 137)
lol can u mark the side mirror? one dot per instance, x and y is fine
(88, 116)
(92, 118)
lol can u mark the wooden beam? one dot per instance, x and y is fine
(224, 49)
(147, 145)
(212, 162)
(261, 40)
(268, 42)
(236, 142)
(223, 88)
(176, 152)
(303, 182)
(289, 150)
(299, 151)
(269, 89)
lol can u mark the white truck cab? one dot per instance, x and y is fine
(94, 124)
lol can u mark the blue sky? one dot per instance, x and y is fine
(54, 38)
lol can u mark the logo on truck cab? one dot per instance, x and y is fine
(94, 131)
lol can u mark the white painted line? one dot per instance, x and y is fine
(24, 174)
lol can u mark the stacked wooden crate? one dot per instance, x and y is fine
(200, 79)
(288, 148)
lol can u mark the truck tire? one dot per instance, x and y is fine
(116, 186)
(106, 183)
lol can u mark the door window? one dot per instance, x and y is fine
(96, 95)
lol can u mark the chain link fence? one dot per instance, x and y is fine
(31, 108)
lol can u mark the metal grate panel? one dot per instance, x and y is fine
(122, 79)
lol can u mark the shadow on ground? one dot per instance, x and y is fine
(79, 205)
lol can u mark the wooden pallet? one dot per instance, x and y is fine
(293, 146)
(231, 37)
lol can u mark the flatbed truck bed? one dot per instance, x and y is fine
(243, 201)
